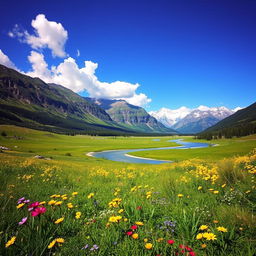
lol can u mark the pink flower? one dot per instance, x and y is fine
(23, 221)
(170, 241)
(38, 211)
(33, 206)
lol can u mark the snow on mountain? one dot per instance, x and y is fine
(187, 120)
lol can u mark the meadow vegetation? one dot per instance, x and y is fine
(72, 204)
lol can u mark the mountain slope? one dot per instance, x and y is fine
(132, 117)
(241, 123)
(30, 102)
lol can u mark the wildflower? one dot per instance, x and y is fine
(90, 195)
(180, 195)
(222, 229)
(59, 203)
(215, 192)
(192, 253)
(21, 200)
(199, 188)
(215, 221)
(60, 240)
(209, 236)
(134, 227)
(51, 202)
(148, 246)
(135, 236)
(74, 193)
(85, 247)
(203, 227)
(223, 186)
(115, 218)
(159, 239)
(94, 247)
(170, 241)
(33, 206)
(37, 211)
(20, 205)
(125, 219)
(10, 242)
(42, 203)
(129, 233)
(139, 223)
(70, 205)
(203, 246)
(78, 215)
(199, 236)
(138, 208)
(23, 221)
(59, 220)
(121, 211)
(145, 240)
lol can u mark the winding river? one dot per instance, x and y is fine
(123, 156)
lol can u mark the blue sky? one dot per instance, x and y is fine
(180, 52)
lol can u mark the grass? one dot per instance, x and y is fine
(104, 203)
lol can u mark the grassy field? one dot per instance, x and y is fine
(223, 149)
(78, 205)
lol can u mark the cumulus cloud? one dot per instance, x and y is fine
(47, 33)
(82, 79)
(4, 60)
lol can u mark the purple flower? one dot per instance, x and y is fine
(94, 247)
(85, 247)
(23, 221)
(21, 200)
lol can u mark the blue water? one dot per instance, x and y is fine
(121, 155)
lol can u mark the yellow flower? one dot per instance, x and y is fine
(60, 240)
(74, 193)
(121, 211)
(215, 221)
(90, 195)
(78, 215)
(59, 203)
(115, 218)
(159, 239)
(20, 205)
(52, 202)
(215, 192)
(222, 229)
(70, 205)
(125, 219)
(42, 203)
(148, 246)
(145, 240)
(203, 227)
(51, 244)
(59, 220)
(10, 242)
(139, 223)
(203, 246)
(135, 236)
(180, 195)
(209, 236)
(223, 186)
(199, 236)
(199, 188)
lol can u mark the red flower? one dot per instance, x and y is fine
(182, 246)
(188, 249)
(170, 241)
(192, 253)
(129, 233)
(134, 227)
(38, 211)
(139, 208)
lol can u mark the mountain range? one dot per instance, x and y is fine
(191, 121)
(30, 102)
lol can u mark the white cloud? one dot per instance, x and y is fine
(78, 79)
(77, 53)
(4, 60)
(47, 34)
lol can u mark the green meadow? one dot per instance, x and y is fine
(71, 204)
